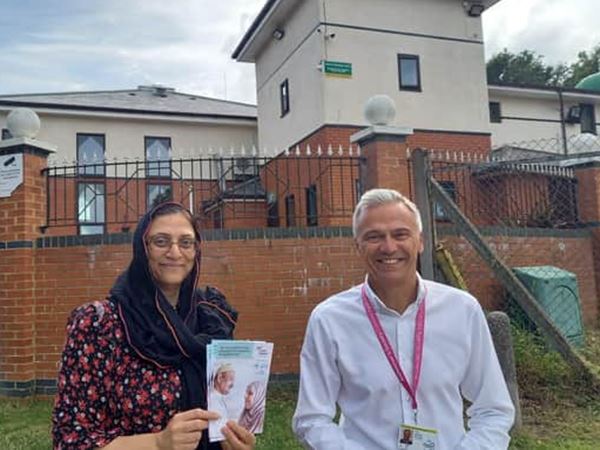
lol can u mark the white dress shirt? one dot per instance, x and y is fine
(343, 363)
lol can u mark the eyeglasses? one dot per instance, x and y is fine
(165, 243)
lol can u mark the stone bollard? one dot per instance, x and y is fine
(499, 324)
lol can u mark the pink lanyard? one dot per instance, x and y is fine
(389, 352)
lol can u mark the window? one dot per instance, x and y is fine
(90, 154)
(90, 208)
(157, 194)
(311, 206)
(6, 134)
(438, 211)
(573, 115)
(409, 73)
(284, 97)
(158, 157)
(290, 211)
(495, 112)
(587, 118)
(218, 221)
(273, 214)
(245, 168)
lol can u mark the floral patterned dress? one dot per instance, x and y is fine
(105, 389)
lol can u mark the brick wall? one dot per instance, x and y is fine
(570, 250)
(461, 142)
(17, 314)
(337, 135)
(272, 277)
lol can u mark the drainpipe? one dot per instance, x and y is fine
(562, 120)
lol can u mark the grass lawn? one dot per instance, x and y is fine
(559, 413)
(556, 425)
(25, 424)
(560, 424)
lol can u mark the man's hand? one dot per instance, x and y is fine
(237, 437)
(184, 430)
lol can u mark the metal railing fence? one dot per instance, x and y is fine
(295, 189)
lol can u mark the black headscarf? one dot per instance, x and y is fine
(168, 336)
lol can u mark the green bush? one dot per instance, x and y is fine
(536, 365)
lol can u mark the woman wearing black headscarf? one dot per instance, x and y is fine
(133, 370)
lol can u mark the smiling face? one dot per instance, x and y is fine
(389, 243)
(224, 382)
(170, 264)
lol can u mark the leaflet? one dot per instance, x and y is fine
(237, 374)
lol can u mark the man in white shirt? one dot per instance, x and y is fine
(399, 353)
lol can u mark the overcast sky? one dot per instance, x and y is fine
(71, 45)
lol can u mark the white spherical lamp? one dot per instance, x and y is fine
(23, 123)
(380, 110)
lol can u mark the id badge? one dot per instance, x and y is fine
(414, 437)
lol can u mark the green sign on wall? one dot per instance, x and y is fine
(337, 69)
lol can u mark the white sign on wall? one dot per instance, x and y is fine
(11, 173)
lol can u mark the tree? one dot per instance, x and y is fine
(528, 67)
(585, 65)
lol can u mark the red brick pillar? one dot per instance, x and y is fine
(588, 196)
(22, 212)
(385, 150)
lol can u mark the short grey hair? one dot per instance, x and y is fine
(378, 197)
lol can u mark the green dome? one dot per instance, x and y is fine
(590, 83)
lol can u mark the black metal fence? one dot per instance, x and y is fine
(292, 190)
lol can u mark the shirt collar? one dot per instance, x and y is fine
(381, 307)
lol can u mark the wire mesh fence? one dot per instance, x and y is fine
(529, 216)
(510, 194)
(548, 148)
